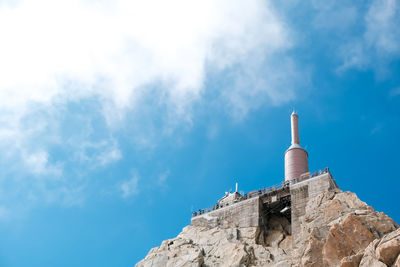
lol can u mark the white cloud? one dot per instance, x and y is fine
(55, 54)
(118, 52)
(380, 42)
(382, 23)
(110, 156)
(38, 164)
(129, 187)
(114, 49)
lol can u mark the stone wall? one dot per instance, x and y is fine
(245, 213)
(249, 213)
(301, 193)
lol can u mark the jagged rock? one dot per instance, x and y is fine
(397, 262)
(380, 252)
(338, 229)
(312, 254)
(369, 259)
(175, 252)
(389, 248)
(337, 225)
(286, 244)
(346, 238)
(351, 261)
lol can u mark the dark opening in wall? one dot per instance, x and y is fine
(275, 222)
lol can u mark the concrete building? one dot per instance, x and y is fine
(288, 199)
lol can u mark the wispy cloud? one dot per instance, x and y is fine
(129, 187)
(162, 179)
(263, 84)
(99, 153)
(38, 164)
(394, 92)
(380, 42)
(377, 128)
(334, 16)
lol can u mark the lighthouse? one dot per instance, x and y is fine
(296, 157)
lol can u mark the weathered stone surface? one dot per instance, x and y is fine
(371, 262)
(397, 262)
(221, 247)
(175, 252)
(345, 238)
(351, 261)
(337, 225)
(389, 248)
(312, 253)
(336, 229)
(369, 259)
(380, 252)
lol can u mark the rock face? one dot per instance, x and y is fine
(337, 230)
(338, 225)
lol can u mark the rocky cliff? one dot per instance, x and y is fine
(338, 229)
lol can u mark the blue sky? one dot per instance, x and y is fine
(118, 118)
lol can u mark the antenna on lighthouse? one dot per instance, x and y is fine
(296, 157)
(294, 119)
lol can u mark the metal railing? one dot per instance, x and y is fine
(262, 191)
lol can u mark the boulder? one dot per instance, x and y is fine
(388, 248)
(338, 225)
(351, 261)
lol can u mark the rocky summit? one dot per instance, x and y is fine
(337, 229)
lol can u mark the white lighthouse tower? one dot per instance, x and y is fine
(296, 157)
